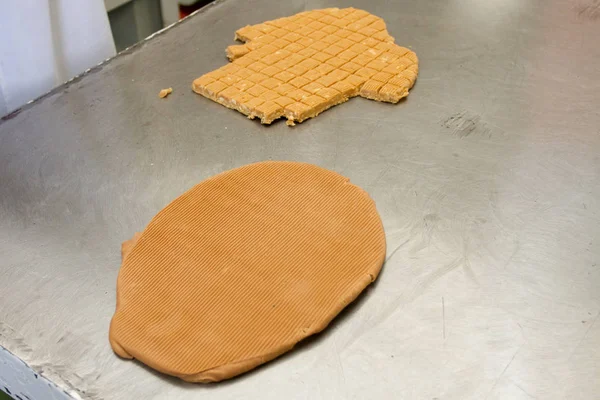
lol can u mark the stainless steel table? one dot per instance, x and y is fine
(487, 179)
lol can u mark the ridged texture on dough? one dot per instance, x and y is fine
(243, 266)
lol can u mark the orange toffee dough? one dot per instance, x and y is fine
(237, 270)
(297, 67)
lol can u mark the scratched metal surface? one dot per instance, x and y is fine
(486, 179)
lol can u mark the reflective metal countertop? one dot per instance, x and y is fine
(487, 179)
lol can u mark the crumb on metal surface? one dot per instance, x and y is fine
(165, 92)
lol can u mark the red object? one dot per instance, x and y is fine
(185, 10)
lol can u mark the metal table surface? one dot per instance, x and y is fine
(486, 179)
